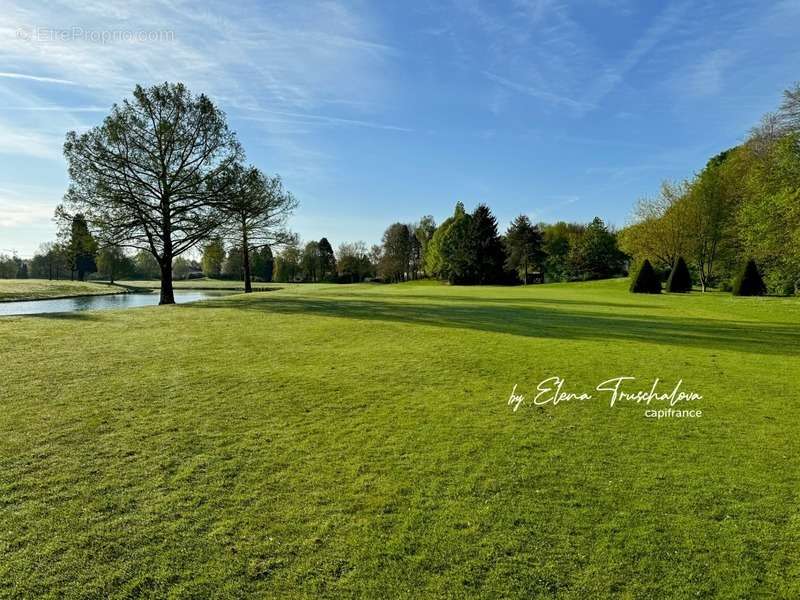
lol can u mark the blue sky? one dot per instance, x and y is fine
(375, 112)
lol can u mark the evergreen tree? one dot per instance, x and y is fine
(749, 281)
(646, 281)
(82, 248)
(523, 246)
(263, 264)
(327, 259)
(490, 254)
(680, 280)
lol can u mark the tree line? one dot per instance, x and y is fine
(465, 249)
(743, 206)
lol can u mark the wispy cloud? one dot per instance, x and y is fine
(706, 77)
(28, 142)
(538, 93)
(18, 208)
(329, 119)
(7, 75)
(646, 43)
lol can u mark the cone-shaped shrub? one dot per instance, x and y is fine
(749, 282)
(646, 280)
(680, 280)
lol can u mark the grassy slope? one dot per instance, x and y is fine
(36, 289)
(325, 441)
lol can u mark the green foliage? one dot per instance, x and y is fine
(9, 266)
(424, 232)
(558, 238)
(459, 251)
(523, 242)
(311, 262)
(113, 263)
(146, 265)
(769, 215)
(396, 255)
(327, 259)
(490, 253)
(81, 248)
(213, 258)
(182, 268)
(596, 255)
(354, 263)
(233, 267)
(744, 203)
(433, 260)
(749, 281)
(680, 280)
(646, 280)
(287, 263)
(263, 264)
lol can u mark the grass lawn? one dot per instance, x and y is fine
(204, 284)
(37, 289)
(356, 441)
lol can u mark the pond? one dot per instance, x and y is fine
(133, 300)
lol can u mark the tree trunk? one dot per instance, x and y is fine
(248, 286)
(167, 293)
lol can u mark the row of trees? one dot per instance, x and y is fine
(221, 263)
(466, 248)
(744, 204)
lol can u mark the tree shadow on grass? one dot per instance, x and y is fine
(541, 322)
(78, 315)
(509, 300)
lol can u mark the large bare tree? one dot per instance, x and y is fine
(151, 176)
(257, 208)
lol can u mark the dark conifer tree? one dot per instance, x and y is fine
(646, 281)
(749, 281)
(490, 253)
(523, 246)
(327, 259)
(680, 280)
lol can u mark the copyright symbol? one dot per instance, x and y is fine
(23, 34)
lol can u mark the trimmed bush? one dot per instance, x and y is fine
(749, 281)
(646, 280)
(680, 280)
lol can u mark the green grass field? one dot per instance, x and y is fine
(356, 442)
(37, 289)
